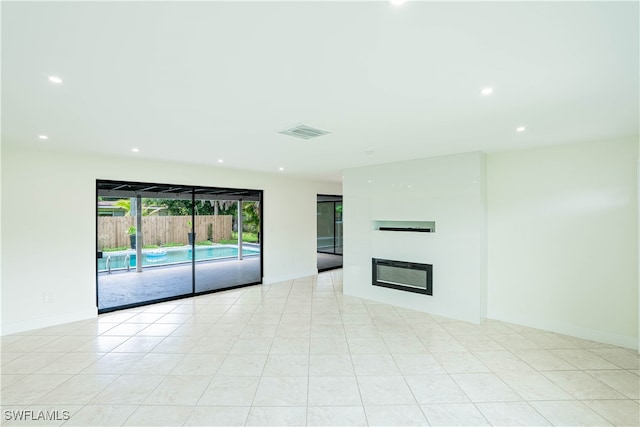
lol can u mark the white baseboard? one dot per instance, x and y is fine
(470, 319)
(578, 332)
(44, 322)
(267, 280)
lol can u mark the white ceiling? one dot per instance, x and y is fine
(198, 82)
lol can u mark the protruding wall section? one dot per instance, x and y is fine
(443, 192)
(553, 245)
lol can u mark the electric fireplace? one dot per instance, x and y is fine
(403, 275)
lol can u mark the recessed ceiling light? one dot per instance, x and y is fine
(220, 161)
(43, 137)
(55, 79)
(135, 150)
(397, 2)
(281, 169)
(486, 91)
(521, 129)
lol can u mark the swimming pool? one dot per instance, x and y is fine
(162, 256)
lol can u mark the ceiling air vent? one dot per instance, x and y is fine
(304, 131)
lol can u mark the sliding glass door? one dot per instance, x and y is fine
(329, 232)
(157, 242)
(228, 246)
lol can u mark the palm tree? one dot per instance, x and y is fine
(124, 204)
(146, 209)
(251, 220)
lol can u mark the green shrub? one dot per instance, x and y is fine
(171, 244)
(119, 248)
(247, 237)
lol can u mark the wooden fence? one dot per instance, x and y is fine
(159, 230)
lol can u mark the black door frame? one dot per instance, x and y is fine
(147, 188)
(334, 199)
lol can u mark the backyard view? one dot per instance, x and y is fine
(167, 223)
(185, 242)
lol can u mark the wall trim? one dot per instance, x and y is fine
(416, 307)
(44, 322)
(579, 332)
(268, 280)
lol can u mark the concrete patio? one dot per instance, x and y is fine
(122, 288)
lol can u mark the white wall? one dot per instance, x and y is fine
(48, 224)
(563, 239)
(449, 190)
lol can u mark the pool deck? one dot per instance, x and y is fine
(121, 287)
(129, 287)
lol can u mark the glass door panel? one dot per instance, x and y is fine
(142, 258)
(325, 227)
(329, 232)
(338, 222)
(228, 253)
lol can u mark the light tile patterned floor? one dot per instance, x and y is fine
(301, 353)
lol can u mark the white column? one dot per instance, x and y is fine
(240, 229)
(139, 234)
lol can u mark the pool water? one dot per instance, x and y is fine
(171, 256)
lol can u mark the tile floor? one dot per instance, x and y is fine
(301, 353)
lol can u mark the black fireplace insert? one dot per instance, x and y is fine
(403, 275)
